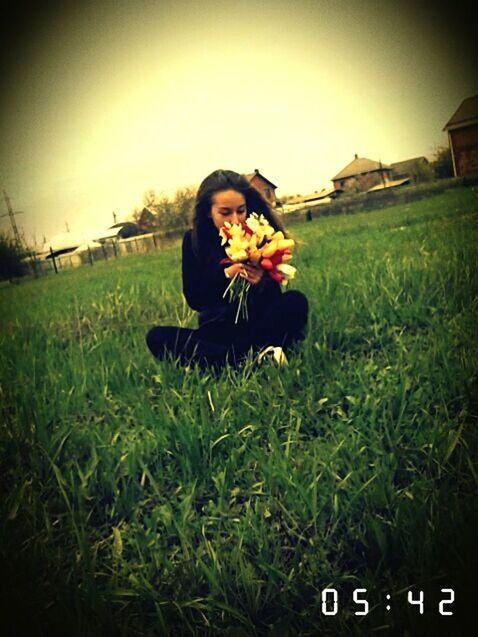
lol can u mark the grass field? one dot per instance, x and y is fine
(138, 499)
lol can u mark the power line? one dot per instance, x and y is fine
(12, 214)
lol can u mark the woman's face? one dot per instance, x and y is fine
(228, 205)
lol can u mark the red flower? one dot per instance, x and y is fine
(276, 276)
(276, 258)
(246, 228)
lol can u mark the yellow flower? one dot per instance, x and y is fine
(236, 230)
(285, 244)
(269, 249)
(237, 249)
(278, 236)
(259, 226)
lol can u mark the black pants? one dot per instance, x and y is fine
(282, 323)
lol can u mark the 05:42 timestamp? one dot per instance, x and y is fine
(330, 601)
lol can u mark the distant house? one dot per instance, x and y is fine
(415, 168)
(263, 185)
(462, 130)
(361, 174)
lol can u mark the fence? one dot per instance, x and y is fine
(110, 249)
(155, 240)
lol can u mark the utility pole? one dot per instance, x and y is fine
(12, 214)
(66, 226)
(381, 172)
(114, 216)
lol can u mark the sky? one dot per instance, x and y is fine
(102, 101)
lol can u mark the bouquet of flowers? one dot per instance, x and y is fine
(255, 242)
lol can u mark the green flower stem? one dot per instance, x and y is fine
(237, 291)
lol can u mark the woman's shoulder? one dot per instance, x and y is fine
(205, 248)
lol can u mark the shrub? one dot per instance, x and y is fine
(10, 258)
(442, 163)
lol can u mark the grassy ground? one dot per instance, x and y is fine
(141, 500)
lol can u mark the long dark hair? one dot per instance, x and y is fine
(204, 233)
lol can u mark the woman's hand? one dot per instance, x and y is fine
(253, 274)
(232, 270)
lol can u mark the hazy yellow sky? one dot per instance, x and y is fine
(102, 101)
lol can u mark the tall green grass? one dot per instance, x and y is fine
(138, 499)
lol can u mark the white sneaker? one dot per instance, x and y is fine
(275, 353)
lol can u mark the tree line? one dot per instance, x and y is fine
(165, 213)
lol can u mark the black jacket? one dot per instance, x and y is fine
(204, 285)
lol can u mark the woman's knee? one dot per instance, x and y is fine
(169, 340)
(296, 302)
(159, 340)
(154, 340)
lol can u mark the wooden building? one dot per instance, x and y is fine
(462, 129)
(264, 186)
(361, 174)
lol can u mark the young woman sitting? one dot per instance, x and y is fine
(276, 320)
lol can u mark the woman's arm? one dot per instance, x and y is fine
(203, 285)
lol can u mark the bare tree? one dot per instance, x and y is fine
(184, 205)
(150, 198)
(167, 214)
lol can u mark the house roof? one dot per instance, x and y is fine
(466, 114)
(314, 196)
(256, 173)
(113, 231)
(84, 247)
(302, 205)
(65, 241)
(108, 233)
(408, 164)
(390, 184)
(98, 234)
(122, 224)
(359, 166)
